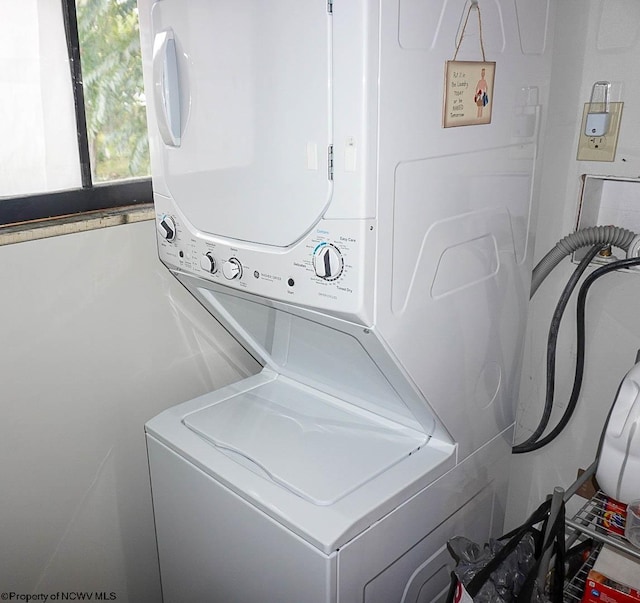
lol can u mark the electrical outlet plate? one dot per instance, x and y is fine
(600, 148)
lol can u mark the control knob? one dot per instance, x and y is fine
(167, 228)
(208, 263)
(232, 269)
(328, 262)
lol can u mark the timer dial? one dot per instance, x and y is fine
(208, 263)
(328, 262)
(167, 228)
(232, 269)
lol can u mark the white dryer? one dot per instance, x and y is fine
(376, 264)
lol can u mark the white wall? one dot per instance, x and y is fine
(96, 338)
(595, 40)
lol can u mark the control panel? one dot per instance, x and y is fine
(324, 270)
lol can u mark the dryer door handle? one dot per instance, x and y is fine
(166, 87)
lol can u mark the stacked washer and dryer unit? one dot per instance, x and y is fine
(376, 264)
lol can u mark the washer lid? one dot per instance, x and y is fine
(248, 90)
(317, 446)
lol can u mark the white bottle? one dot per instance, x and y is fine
(619, 465)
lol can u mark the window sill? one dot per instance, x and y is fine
(54, 227)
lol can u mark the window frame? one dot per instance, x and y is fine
(91, 196)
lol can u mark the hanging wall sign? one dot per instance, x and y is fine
(468, 93)
(468, 86)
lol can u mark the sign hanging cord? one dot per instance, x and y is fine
(477, 7)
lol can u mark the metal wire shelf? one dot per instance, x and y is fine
(574, 589)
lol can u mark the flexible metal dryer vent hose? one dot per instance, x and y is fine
(587, 237)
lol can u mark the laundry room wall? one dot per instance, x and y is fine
(596, 40)
(97, 338)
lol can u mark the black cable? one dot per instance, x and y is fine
(580, 340)
(552, 341)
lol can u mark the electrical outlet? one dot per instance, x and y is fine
(600, 148)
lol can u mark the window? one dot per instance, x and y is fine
(73, 109)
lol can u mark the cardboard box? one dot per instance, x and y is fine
(615, 578)
(614, 516)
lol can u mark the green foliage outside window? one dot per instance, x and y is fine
(113, 88)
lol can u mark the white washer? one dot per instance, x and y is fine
(376, 264)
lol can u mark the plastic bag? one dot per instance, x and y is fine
(505, 570)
